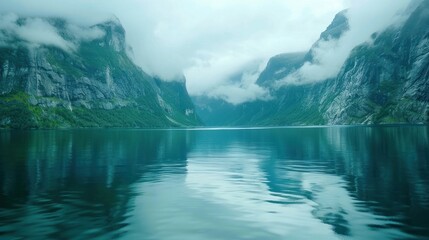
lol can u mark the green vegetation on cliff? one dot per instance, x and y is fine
(94, 85)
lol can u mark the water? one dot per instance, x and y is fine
(284, 183)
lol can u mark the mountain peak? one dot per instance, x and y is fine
(114, 34)
(338, 26)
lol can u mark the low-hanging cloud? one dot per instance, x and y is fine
(37, 31)
(365, 18)
(34, 31)
(240, 87)
(238, 94)
(80, 33)
(211, 40)
(199, 37)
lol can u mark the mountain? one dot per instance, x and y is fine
(292, 105)
(280, 66)
(81, 77)
(384, 80)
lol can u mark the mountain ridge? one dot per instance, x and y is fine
(384, 80)
(94, 84)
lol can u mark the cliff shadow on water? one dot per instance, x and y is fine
(68, 183)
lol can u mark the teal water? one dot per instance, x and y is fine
(280, 183)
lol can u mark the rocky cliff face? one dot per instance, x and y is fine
(291, 105)
(385, 80)
(91, 84)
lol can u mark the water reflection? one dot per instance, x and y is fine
(344, 177)
(76, 184)
(295, 183)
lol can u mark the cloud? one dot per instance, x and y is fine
(210, 41)
(80, 33)
(201, 38)
(37, 31)
(80, 12)
(34, 31)
(237, 94)
(365, 18)
(241, 87)
(231, 77)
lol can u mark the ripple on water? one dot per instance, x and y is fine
(306, 183)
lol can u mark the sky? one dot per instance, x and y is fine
(212, 42)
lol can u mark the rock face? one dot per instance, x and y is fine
(388, 80)
(280, 66)
(385, 80)
(95, 84)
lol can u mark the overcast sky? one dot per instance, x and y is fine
(207, 40)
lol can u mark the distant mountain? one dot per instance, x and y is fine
(84, 78)
(280, 66)
(385, 80)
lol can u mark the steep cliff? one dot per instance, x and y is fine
(87, 81)
(387, 80)
(290, 105)
(384, 80)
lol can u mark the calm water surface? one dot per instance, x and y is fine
(285, 183)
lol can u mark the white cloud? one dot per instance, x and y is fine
(365, 18)
(237, 94)
(34, 31)
(169, 36)
(231, 77)
(37, 31)
(85, 33)
(210, 70)
(243, 90)
(211, 40)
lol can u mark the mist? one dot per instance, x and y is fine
(365, 18)
(210, 41)
(205, 40)
(35, 32)
(240, 85)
